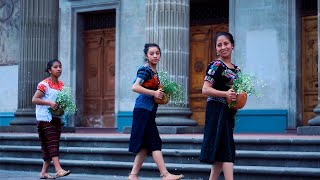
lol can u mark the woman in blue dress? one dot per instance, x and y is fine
(218, 148)
(145, 137)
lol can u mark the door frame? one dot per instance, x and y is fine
(77, 45)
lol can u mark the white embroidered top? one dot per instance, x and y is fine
(50, 91)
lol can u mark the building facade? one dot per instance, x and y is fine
(100, 44)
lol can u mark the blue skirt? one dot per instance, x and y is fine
(218, 143)
(144, 131)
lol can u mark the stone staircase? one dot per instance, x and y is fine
(257, 156)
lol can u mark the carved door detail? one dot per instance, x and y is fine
(99, 78)
(309, 67)
(202, 52)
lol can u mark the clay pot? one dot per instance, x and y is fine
(57, 112)
(239, 102)
(164, 100)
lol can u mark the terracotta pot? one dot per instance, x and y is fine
(164, 100)
(239, 102)
(57, 112)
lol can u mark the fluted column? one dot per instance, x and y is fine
(38, 44)
(168, 25)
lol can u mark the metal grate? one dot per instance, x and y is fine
(100, 20)
(209, 12)
(309, 7)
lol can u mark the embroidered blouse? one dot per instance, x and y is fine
(50, 91)
(221, 77)
(151, 81)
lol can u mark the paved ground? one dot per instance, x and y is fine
(23, 175)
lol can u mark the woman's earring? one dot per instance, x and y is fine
(218, 54)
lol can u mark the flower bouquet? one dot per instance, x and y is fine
(244, 85)
(172, 90)
(65, 102)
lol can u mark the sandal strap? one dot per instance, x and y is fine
(62, 172)
(164, 174)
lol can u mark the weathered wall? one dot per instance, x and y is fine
(9, 56)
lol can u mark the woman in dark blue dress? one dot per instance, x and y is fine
(145, 137)
(218, 146)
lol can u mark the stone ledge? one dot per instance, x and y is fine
(173, 129)
(30, 129)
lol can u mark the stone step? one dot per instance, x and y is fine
(189, 156)
(191, 171)
(258, 143)
(270, 143)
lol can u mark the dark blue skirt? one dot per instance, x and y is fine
(144, 131)
(218, 143)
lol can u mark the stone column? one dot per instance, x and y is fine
(168, 26)
(38, 44)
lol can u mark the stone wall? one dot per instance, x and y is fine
(262, 47)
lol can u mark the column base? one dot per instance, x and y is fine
(180, 129)
(26, 117)
(174, 121)
(308, 130)
(314, 121)
(25, 121)
(173, 129)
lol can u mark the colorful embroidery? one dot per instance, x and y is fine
(150, 81)
(42, 87)
(221, 77)
(228, 73)
(210, 79)
(214, 67)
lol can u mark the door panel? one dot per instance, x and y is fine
(99, 61)
(109, 78)
(202, 52)
(309, 67)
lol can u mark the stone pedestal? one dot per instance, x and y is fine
(38, 44)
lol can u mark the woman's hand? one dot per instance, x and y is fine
(54, 105)
(231, 95)
(158, 93)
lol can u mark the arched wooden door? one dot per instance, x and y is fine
(99, 78)
(309, 67)
(202, 52)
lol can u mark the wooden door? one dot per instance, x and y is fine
(202, 52)
(99, 78)
(309, 67)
